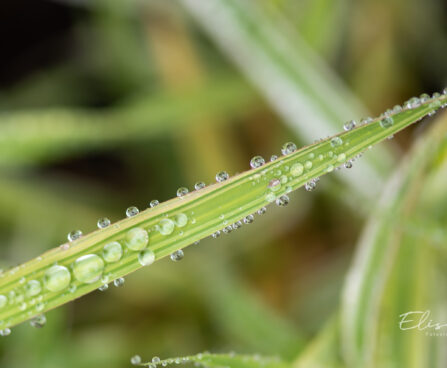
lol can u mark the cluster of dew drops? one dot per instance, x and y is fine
(89, 268)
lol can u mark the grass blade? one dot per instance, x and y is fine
(179, 222)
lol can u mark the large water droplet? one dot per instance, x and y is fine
(182, 191)
(33, 288)
(257, 161)
(132, 211)
(146, 257)
(166, 226)
(155, 360)
(57, 278)
(288, 148)
(103, 223)
(177, 255)
(38, 321)
(112, 252)
(386, 122)
(181, 219)
(137, 238)
(154, 203)
(88, 268)
(310, 186)
(273, 158)
(308, 165)
(74, 235)
(222, 176)
(348, 164)
(297, 169)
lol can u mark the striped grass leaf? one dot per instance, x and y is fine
(78, 267)
(397, 266)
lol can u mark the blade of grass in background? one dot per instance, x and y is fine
(385, 247)
(300, 87)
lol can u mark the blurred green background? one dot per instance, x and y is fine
(106, 104)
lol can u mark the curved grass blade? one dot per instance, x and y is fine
(300, 87)
(160, 231)
(387, 248)
(208, 360)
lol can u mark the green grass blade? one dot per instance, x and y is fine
(298, 84)
(208, 360)
(196, 215)
(62, 131)
(387, 249)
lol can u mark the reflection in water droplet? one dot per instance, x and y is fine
(387, 122)
(216, 234)
(282, 201)
(166, 226)
(103, 223)
(74, 235)
(222, 176)
(88, 268)
(38, 321)
(119, 282)
(146, 257)
(249, 219)
(336, 141)
(288, 148)
(57, 278)
(154, 203)
(132, 211)
(177, 255)
(199, 185)
(136, 238)
(182, 191)
(112, 252)
(261, 211)
(257, 161)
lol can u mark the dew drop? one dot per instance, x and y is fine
(273, 158)
(341, 157)
(348, 164)
(3, 301)
(135, 360)
(257, 161)
(74, 235)
(103, 287)
(349, 125)
(262, 210)
(112, 252)
(132, 211)
(136, 239)
(283, 201)
(310, 186)
(308, 165)
(397, 109)
(146, 257)
(5, 332)
(222, 176)
(284, 179)
(237, 225)
(177, 255)
(40, 307)
(288, 148)
(387, 122)
(38, 321)
(336, 142)
(216, 234)
(166, 226)
(155, 360)
(330, 168)
(33, 288)
(154, 203)
(274, 184)
(270, 197)
(182, 191)
(103, 223)
(57, 278)
(88, 268)
(249, 219)
(199, 185)
(119, 282)
(181, 219)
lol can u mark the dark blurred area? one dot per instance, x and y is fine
(107, 104)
